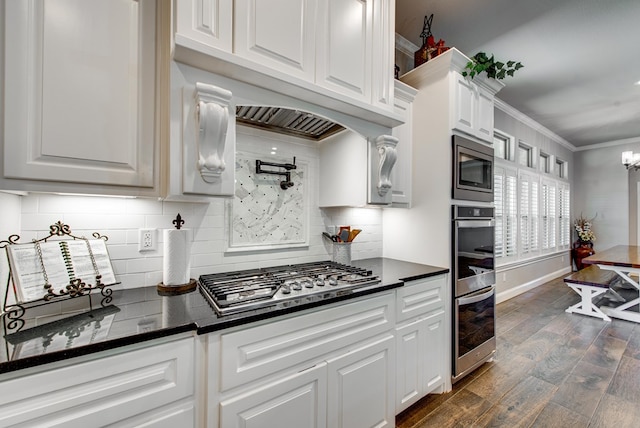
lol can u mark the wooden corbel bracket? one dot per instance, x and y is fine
(386, 145)
(212, 120)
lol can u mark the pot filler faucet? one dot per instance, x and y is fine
(287, 173)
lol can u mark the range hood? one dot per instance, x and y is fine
(287, 121)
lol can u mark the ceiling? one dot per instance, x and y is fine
(581, 57)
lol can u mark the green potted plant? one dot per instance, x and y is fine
(495, 69)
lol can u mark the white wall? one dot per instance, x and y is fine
(601, 189)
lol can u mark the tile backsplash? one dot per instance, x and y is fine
(120, 219)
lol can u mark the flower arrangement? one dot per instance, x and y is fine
(584, 229)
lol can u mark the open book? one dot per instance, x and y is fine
(63, 262)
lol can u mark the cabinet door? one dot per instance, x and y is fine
(382, 84)
(345, 40)
(206, 24)
(279, 34)
(421, 353)
(295, 401)
(401, 173)
(79, 100)
(484, 127)
(410, 364)
(436, 351)
(361, 385)
(344, 147)
(464, 105)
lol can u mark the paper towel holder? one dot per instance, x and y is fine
(172, 290)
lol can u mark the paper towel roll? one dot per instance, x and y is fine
(177, 256)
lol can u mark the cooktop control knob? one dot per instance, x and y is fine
(307, 283)
(286, 289)
(333, 281)
(319, 282)
(297, 286)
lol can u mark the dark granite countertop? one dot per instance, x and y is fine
(70, 328)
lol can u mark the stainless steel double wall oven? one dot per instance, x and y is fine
(474, 340)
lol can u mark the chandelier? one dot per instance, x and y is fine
(631, 160)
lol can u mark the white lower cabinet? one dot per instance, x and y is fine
(420, 368)
(360, 386)
(329, 368)
(148, 387)
(296, 400)
(421, 346)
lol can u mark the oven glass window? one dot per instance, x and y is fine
(475, 250)
(476, 324)
(474, 171)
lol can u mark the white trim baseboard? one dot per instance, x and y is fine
(523, 288)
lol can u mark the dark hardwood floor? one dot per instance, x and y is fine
(551, 369)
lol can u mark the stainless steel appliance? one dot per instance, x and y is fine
(472, 170)
(474, 340)
(282, 286)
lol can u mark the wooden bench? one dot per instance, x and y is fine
(590, 283)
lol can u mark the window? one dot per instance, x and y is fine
(525, 155)
(503, 145)
(532, 209)
(561, 168)
(545, 163)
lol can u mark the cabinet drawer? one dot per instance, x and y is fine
(420, 297)
(107, 390)
(255, 352)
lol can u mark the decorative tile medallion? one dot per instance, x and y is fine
(263, 215)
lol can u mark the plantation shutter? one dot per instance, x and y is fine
(506, 213)
(534, 245)
(511, 214)
(498, 202)
(563, 216)
(549, 216)
(525, 215)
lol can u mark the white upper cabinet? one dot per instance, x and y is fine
(79, 106)
(357, 171)
(205, 24)
(401, 173)
(335, 54)
(277, 33)
(470, 102)
(473, 108)
(345, 43)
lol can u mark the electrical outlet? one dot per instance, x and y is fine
(148, 240)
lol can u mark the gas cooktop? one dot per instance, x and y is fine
(282, 286)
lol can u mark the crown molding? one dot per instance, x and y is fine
(405, 46)
(609, 144)
(533, 124)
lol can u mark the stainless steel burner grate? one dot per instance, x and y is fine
(280, 286)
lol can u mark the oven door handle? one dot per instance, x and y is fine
(475, 223)
(476, 297)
